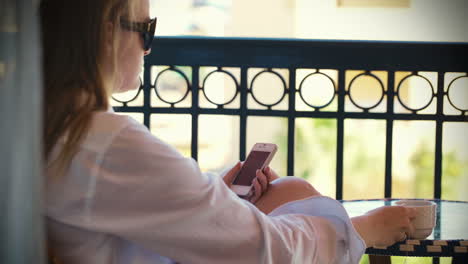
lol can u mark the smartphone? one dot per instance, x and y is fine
(258, 158)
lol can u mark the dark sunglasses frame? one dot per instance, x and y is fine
(147, 30)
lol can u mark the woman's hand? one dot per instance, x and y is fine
(385, 225)
(229, 176)
(260, 182)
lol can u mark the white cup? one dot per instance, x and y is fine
(425, 219)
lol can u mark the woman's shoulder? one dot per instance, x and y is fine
(110, 121)
(123, 132)
(105, 127)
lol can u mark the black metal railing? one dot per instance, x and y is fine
(341, 56)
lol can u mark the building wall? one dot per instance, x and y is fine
(424, 20)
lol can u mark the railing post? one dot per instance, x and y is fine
(389, 134)
(291, 120)
(195, 111)
(340, 133)
(438, 136)
(243, 113)
(147, 94)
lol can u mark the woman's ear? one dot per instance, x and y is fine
(108, 53)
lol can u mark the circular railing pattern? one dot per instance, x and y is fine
(302, 90)
(233, 78)
(311, 75)
(371, 75)
(125, 103)
(268, 71)
(407, 78)
(463, 110)
(182, 74)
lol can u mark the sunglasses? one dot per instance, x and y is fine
(146, 29)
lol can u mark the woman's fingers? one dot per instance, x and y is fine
(386, 225)
(403, 222)
(260, 185)
(262, 178)
(231, 174)
(410, 229)
(408, 224)
(401, 237)
(257, 191)
(271, 174)
(411, 213)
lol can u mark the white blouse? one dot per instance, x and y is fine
(129, 198)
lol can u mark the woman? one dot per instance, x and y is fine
(117, 194)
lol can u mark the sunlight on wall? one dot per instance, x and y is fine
(424, 20)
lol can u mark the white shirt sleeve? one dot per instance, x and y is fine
(148, 193)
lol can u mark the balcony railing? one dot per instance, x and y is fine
(319, 55)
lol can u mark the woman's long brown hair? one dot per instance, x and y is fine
(75, 84)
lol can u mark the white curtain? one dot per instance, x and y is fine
(21, 223)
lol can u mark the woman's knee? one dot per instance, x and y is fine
(296, 185)
(284, 190)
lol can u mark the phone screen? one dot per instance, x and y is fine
(254, 161)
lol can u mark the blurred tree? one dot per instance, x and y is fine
(315, 138)
(315, 153)
(422, 162)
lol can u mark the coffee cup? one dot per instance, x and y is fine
(425, 219)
